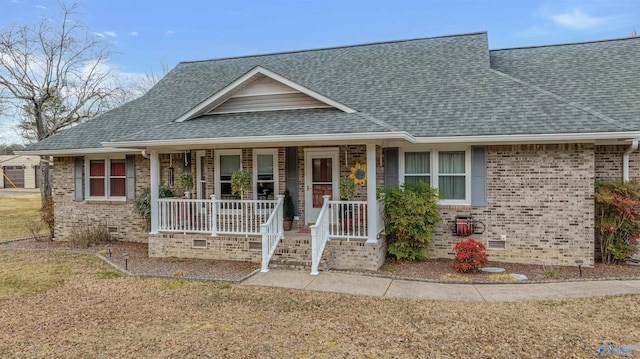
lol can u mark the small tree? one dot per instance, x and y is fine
(54, 74)
(288, 211)
(411, 215)
(617, 219)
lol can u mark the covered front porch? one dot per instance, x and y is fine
(228, 226)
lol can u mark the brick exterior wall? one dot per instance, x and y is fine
(608, 162)
(541, 198)
(118, 215)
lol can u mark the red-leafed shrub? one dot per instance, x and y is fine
(470, 255)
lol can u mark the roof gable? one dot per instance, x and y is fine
(262, 90)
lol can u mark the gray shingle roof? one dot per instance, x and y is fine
(601, 75)
(427, 87)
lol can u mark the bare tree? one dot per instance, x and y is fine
(55, 75)
(141, 85)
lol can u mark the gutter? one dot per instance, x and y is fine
(625, 159)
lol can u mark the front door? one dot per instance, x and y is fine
(321, 176)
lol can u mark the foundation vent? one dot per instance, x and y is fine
(199, 243)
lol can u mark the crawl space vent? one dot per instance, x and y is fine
(496, 245)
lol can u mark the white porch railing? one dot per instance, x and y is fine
(272, 232)
(348, 219)
(185, 215)
(237, 217)
(243, 217)
(319, 236)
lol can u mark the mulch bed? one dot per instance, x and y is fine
(441, 269)
(438, 269)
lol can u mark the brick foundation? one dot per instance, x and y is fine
(220, 247)
(356, 255)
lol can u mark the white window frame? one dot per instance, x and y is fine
(276, 170)
(107, 178)
(435, 175)
(219, 153)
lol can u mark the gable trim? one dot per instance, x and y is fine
(203, 107)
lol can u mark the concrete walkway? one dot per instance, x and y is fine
(397, 288)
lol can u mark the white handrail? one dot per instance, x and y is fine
(319, 235)
(272, 232)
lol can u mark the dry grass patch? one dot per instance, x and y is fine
(134, 317)
(17, 214)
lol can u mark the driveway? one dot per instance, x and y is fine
(13, 191)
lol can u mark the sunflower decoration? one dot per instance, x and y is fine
(359, 174)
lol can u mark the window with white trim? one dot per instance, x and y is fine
(107, 178)
(448, 171)
(227, 163)
(265, 173)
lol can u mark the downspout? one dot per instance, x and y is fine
(625, 160)
(145, 154)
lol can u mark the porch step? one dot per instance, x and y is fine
(294, 253)
(295, 265)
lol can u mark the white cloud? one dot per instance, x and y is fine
(578, 20)
(535, 30)
(110, 33)
(170, 32)
(133, 33)
(98, 34)
(40, 7)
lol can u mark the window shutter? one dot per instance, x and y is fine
(131, 176)
(478, 176)
(78, 184)
(391, 166)
(291, 170)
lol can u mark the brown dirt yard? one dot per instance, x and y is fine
(73, 305)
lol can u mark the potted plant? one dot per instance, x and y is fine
(240, 183)
(186, 183)
(347, 189)
(288, 211)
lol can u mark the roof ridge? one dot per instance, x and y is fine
(377, 121)
(567, 101)
(333, 47)
(567, 43)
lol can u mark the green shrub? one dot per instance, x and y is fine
(617, 210)
(410, 215)
(142, 203)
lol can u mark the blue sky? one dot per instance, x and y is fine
(147, 34)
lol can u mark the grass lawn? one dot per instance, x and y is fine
(64, 305)
(17, 214)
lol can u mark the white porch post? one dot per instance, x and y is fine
(155, 190)
(372, 203)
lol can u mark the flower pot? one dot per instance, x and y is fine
(287, 225)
